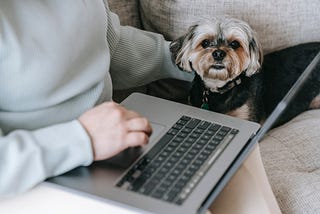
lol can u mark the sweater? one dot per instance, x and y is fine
(58, 60)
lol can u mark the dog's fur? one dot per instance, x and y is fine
(233, 77)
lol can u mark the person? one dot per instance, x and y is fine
(58, 66)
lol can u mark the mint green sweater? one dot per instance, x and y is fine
(57, 60)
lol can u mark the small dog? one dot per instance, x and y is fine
(230, 78)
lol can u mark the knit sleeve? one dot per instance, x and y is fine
(29, 157)
(139, 57)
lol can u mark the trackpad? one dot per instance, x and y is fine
(125, 158)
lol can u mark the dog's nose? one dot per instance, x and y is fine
(219, 54)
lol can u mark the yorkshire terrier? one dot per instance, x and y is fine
(232, 76)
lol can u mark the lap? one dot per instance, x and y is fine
(248, 191)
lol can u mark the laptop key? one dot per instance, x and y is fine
(199, 130)
(147, 188)
(178, 139)
(186, 118)
(193, 123)
(182, 134)
(186, 130)
(158, 147)
(214, 127)
(173, 131)
(142, 163)
(195, 135)
(225, 128)
(204, 124)
(172, 194)
(211, 132)
(234, 131)
(138, 183)
(158, 193)
(178, 126)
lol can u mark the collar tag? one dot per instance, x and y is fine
(205, 106)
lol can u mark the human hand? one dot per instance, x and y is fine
(112, 128)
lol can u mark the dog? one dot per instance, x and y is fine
(232, 76)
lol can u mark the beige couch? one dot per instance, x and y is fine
(291, 153)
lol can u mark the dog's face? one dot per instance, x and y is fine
(219, 51)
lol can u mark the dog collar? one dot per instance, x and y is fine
(227, 87)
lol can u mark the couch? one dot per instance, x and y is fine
(291, 153)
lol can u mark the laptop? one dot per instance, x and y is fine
(191, 156)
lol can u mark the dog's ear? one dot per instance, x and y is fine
(175, 47)
(181, 49)
(256, 57)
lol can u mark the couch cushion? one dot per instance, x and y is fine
(126, 10)
(291, 154)
(279, 24)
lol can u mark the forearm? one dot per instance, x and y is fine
(140, 57)
(29, 157)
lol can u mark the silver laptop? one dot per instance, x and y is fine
(191, 155)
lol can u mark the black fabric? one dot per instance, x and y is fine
(263, 91)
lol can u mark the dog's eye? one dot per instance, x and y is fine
(205, 43)
(234, 44)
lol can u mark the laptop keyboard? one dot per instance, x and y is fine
(176, 164)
